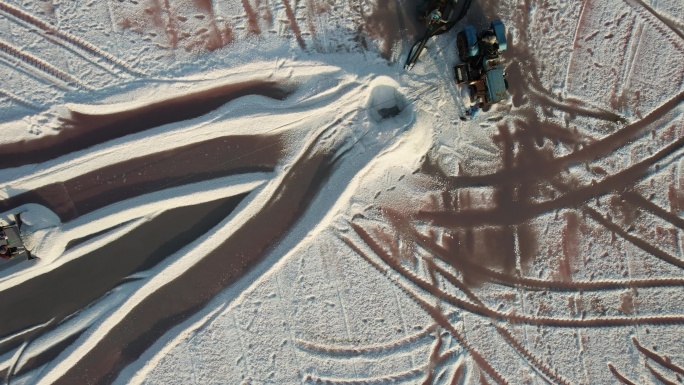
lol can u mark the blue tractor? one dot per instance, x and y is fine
(481, 67)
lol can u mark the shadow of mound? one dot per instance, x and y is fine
(85, 129)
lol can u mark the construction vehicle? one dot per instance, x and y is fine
(12, 248)
(481, 68)
(438, 17)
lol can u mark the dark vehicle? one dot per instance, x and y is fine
(481, 67)
(439, 16)
(12, 248)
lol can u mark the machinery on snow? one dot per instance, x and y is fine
(480, 68)
(12, 248)
(438, 16)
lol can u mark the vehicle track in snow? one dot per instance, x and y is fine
(80, 130)
(523, 171)
(658, 21)
(511, 317)
(435, 312)
(44, 67)
(293, 24)
(476, 306)
(51, 30)
(19, 99)
(531, 185)
(663, 361)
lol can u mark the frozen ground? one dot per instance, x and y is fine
(256, 191)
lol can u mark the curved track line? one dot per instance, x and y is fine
(514, 281)
(619, 376)
(19, 99)
(657, 21)
(537, 365)
(509, 317)
(575, 196)
(293, 24)
(591, 151)
(459, 372)
(662, 361)
(435, 313)
(644, 204)
(369, 349)
(50, 29)
(661, 377)
(636, 241)
(41, 65)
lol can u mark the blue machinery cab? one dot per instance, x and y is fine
(481, 67)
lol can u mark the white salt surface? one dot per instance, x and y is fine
(539, 243)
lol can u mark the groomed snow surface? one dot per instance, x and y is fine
(257, 192)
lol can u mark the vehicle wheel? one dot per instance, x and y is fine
(462, 46)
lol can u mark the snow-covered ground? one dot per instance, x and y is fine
(257, 192)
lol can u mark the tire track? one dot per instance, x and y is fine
(388, 347)
(661, 377)
(574, 42)
(28, 29)
(41, 65)
(293, 24)
(662, 361)
(619, 376)
(19, 99)
(551, 375)
(530, 89)
(510, 317)
(636, 241)
(433, 360)
(639, 201)
(657, 21)
(534, 362)
(591, 151)
(536, 284)
(434, 312)
(50, 29)
(459, 372)
(311, 25)
(252, 22)
(504, 216)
